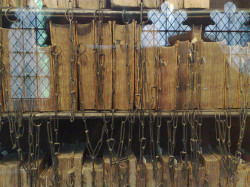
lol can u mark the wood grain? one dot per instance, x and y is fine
(148, 79)
(127, 3)
(132, 165)
(170, 78)
(212, 167)
(90, 4)
(66, 163)
(60, 37)
(212, 76)
(196, 4)
(182, 95)
(87, 37)
(123, 174)
(111, 177)
(152, 4)
(9, 171)
(78, 162)
(123, 74)
(154, 175)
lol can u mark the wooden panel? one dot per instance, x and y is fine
(37, 62)
(90, 4)
(183, 90)
(78, 162)
(110, 172)
(212, 166)
(123, 66)
(212, 76)
(169, 76)
(132, 164)
(65, 163)
(60, 37)
(196, 4)
(87, 38)
(9, 171)
(127, 3)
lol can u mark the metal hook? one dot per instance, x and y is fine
(32, 121)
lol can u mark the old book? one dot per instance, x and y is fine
(212, 169)
(183, 96)
(201, 176)
(141, 173)
(132, 165)
(212, 76)
(28, 72)
(66, 164)
(111, 172)
(90, 4)
(123, 174)
(60, 38)
(152, 4)
(154, 173)
(146, 79)
(180, 175)
(9, 171)
(78, 162)
(196, 4)
(51, 3)
(95, 70)
(92, 176)
(168, 79)
(123, 66)
(128, 3)
(46, 177)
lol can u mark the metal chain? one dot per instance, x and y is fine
(70, 17)
(54, 142)
(93, 151)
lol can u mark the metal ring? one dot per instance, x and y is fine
(8, 17)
